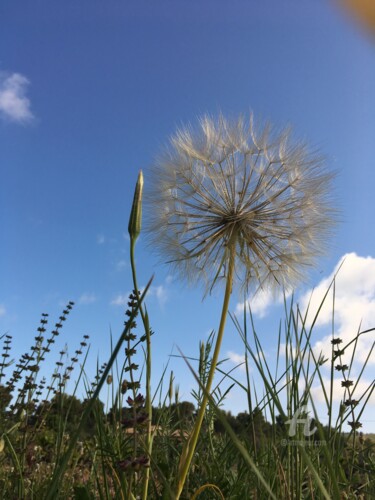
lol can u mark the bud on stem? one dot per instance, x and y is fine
(135, 220)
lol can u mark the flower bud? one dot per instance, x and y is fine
(135, 220)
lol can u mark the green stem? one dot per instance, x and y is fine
(190, 445)
(148, 402)
(63, 463)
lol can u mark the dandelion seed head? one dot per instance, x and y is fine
(225, 187)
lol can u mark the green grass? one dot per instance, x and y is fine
(61, 447)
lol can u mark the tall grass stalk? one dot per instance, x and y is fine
(64, 459)
(135, 224)
(240, 447)
(294, 384)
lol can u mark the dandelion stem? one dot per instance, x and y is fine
(190, 445)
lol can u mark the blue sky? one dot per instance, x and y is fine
(90, 91)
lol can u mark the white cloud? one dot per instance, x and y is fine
(14, 105)
(120, 300)
(339, 393)
(3, 311)
(237, 359)
(158, 292)
(260, 303)
(121, 265)
(354, 306)
(292, 352)
(100, 239)
(169, 279)
(87, 298)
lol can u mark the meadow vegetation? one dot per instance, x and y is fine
(249, 455)
(145, 442)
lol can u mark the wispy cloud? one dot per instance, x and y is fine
(87, 298)
(354, 305)
(338, 392)
(158, 292)
(3, 311)
(260, 304)
(237, 359)
(120, 300)
(121, 265)
(100, 239)
(161, 294)
(14, 105)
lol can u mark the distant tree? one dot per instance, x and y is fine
(5, 398)
(232, 421)
(157, 413)
(244, 421)
(183, 412)
(64, 411)
(280, 425)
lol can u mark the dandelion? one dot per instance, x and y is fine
(225, 193)
(230, 205)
